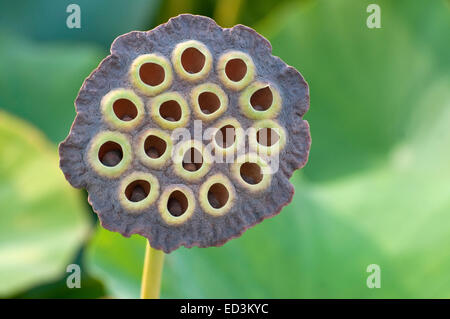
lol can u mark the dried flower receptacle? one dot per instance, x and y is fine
(174, 193)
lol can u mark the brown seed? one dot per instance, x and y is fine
(152, 152)
(111, 158)
(170, 119)
(213, 200)
(138, 194)
(174, 207)
(258, 108)
(127, 118)
(190, 167)
(248, 179)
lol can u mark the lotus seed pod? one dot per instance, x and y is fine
(134, 144)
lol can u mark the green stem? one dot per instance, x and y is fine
(151, 275)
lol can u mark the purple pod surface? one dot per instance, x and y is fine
(187, 134)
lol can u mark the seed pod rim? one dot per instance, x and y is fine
(152, 196)
(167, 217)
(203, 195)
(208, 87)
(252, 158)
(96, 143)
(164, 159)
(177, 64)
(155, 104)
(221, 69)
(156, 58)
(107, 104)
(248, 110)
(178, 156)
(239, 137)
(262, 149)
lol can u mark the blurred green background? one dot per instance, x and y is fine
(376, 189)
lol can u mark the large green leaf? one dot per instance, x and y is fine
(40, 82)
(42, 220)
(378, 97)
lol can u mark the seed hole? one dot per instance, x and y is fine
(267, 137)
(226, 136)
(177, 203)
(154, 146)
(170, 111)
(192, 160)
(208, 102)
(151, 74)
(236, 69)
(137, 190)
(251, 173)
(218, 195)
(125, 110)
(110, 154)
(262, 99)
(192, 60)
